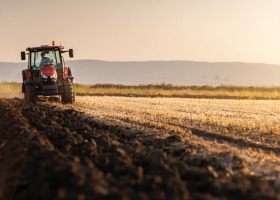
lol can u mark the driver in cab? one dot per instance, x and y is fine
(45, 60)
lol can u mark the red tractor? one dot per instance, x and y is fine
(47, 74)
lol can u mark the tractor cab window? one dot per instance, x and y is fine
(45, 57)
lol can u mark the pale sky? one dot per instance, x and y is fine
(137, 30)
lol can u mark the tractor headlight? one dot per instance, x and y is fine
(44, 76)
(53, 76)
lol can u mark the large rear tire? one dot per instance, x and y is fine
(30, 94)
(68, 95)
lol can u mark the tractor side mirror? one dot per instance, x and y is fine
(22, 54)
(71, 53)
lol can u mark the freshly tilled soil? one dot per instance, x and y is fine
(53, 152)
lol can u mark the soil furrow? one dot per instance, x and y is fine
(65, 154)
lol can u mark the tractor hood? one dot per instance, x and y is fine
(48, 70)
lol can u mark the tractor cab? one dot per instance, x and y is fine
(47, 74)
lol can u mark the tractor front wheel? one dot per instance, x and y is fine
(30, 94)
(68, 95)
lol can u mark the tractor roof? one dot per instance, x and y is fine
(44, 47)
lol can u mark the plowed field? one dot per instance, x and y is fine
(139, 148)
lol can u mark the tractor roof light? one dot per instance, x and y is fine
(53, 43)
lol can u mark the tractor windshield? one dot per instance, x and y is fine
(45, 57)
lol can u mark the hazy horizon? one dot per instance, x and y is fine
(161, 30)
(198, 61)
(174, 72)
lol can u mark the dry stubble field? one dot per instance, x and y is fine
(140, 148)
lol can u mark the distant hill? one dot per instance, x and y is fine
(175, 72)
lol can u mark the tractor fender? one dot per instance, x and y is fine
(25, 75)
(23, 79)
(67, 72)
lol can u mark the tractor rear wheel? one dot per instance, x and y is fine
(68, 95)
(30, 94)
